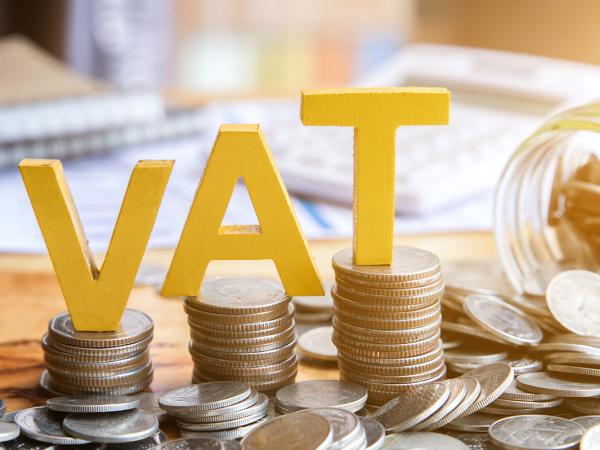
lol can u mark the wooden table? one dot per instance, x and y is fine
(30, 296)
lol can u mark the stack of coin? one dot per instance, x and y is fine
(314, 309)
(515, 401)
(570, 354)
(110, 363)
(217, 409)
(242, 329)
(387, 322)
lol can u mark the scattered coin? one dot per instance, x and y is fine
(304, 430)
(536, 432)
(114, 428)
(412, 406)
(374, 431)
(317, 344)
(198, 397)
(587, 422)
(348, 432)
(92, 404)
(545, 383)
(321, 394)
(43, 425)
(458, 391)
(502, 319)
(494, 380)
(572, 297)
(8, 431)
(425, 440)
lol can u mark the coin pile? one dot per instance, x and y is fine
(387, 322)
(81, 420)
(314, 309)
(217, 409)
(242, 329)
(109, 363)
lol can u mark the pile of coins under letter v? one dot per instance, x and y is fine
(108, 363)
(387, 322)
(242, 329)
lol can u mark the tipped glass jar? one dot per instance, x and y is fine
(547, 211)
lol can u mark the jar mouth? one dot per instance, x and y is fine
(544, 213)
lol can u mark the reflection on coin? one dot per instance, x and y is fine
(321, 394)
(8, 431)
(587, 421)
(149, 402)
(41, 424)
(536, 432)
(125, 426)
(199, 397)
(422, 440)
(545, 383)
(412, 407)
(374, 431)
(304, 430)
(92, 404)
(572, 298)
(317, 344)
(503, 320)
(347, 428)
(494, 380)
(591, 439)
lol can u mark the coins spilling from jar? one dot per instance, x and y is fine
(387, 322)
(107, 363)
(242, 329)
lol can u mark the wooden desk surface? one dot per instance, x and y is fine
(30, 296)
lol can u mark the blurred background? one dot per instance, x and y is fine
(101, 84)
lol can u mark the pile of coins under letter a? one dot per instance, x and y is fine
(109, 363)
(387, 322)
(242, 329)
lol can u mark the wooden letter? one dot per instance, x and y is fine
(375, 114)
(95, 298)
(240, 151)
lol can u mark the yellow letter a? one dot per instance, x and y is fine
(95, 299)
(240, 151)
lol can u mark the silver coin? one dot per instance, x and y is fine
(545, 383)
(321, 394)
(2, 407)
(475, 423)
(347, 428)
(587, 422)
(503, 320)
(204, 396)
(9, 416)
(209, 414)
(474, 356)
(114, 428)
(535, 432)
(236, 433)
(303, 429)
(525, 365)
(586, 405)
(151, 442)
(222, 425)
(41, 424)
(317, 344)
(374, 431)
(92, 404)
(591, 439)
(134, 327)
(474, 441)
(458, 391)
(412, 406)
(8, 431)
(201, 444)
(421, 440)
(494, 380)
(148, 401)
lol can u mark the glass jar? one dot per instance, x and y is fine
(547, 209)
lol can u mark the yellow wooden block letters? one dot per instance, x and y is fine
(375, 115)
(95, 298)
(240, 151)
